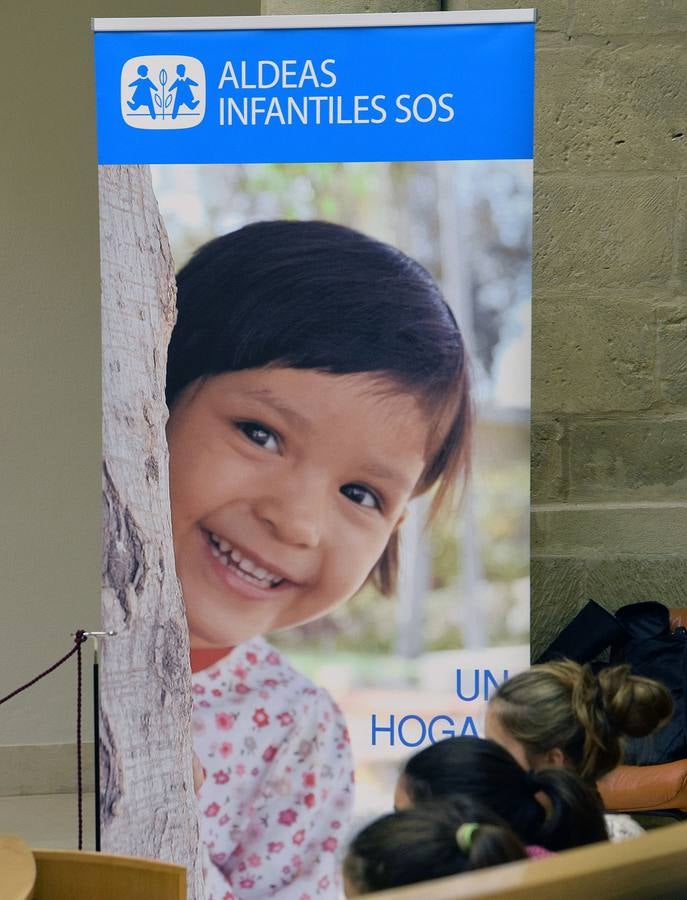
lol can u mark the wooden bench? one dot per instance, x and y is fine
(79, 875)
(651, 867)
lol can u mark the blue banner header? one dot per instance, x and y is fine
(316, 95)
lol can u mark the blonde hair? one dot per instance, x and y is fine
(565, 705)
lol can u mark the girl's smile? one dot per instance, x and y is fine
(285, 485)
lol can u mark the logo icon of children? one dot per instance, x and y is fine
(142, 95)
(183, 88)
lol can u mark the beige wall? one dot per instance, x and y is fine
(50, 359)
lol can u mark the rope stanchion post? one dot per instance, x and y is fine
(79, 638)
(96, 727)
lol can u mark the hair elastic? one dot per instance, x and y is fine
(464, 835)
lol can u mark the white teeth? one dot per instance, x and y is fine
(222, 550)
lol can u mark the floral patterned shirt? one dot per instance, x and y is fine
(276, 802)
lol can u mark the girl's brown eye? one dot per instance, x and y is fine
(361, 495)
(259, 434)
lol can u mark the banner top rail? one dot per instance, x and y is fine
(336, 20)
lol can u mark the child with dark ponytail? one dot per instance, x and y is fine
(434, 840)
(551, 808)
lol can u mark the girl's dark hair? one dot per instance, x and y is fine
(315, 295)
(486, 772)
(423, 843)
(563, 704)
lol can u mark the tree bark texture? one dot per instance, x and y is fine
(148, 807)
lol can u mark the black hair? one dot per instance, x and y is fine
(486, 772)
(426, 843)
(315, 295)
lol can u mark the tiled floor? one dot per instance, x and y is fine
(48, 821)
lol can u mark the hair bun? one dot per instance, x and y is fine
(634, 705)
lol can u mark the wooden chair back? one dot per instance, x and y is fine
(17, 868)
(644, 868)
(79, 875)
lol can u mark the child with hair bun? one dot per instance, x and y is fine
(434, 840)
(562, 714)
(552, 808)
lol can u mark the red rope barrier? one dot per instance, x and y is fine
(79, 639)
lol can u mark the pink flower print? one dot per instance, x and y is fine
(218, 858)
(275, 847)
(287, 817)
(335, 824)
(296, 861)
(309, 779)
(198, 689)
(309, 800)
(216, 692)
(212, 810)
(204, 703)
(220, 777)
(241, 688)
(285, 718)
(286, 869)
(240, 672)
(271, 682)
(228, 896)
(264, 695)
(255, 772)
(330, 844)
(223, 820)
(214, 674)
(247, 883)
(269, 753)
(261, 718)
(305, 897)
(240, 769)
(254, 860)
(225, 749)
(242, 866)
(273, 658)
(299, 837)
(304, 749)
(251, 657)
(224, 721)
(323, 883)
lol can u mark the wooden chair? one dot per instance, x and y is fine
(79, 875)
(645, 868)
(17, 868)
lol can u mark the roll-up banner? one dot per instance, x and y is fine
(316, 253)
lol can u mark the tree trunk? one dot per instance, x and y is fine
(148, 806)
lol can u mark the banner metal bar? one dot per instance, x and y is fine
(353, 20)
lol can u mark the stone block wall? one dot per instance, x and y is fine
(609, 395)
